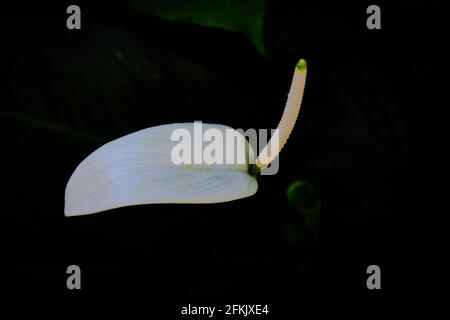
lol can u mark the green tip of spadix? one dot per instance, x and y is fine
(301, 65)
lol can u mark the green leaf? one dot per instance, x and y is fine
(304, 197)
(241, 16)
(103, 83)
(52, 127)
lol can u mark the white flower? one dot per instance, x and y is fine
(138, 169)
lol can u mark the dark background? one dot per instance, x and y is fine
(365, 141)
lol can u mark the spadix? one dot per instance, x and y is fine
(139, 169)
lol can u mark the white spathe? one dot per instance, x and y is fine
(137, 169)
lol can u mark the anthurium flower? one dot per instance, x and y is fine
(139, 168)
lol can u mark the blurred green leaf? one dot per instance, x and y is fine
(50, 126)
(242, 16)
(104, 83)
(304, 197)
